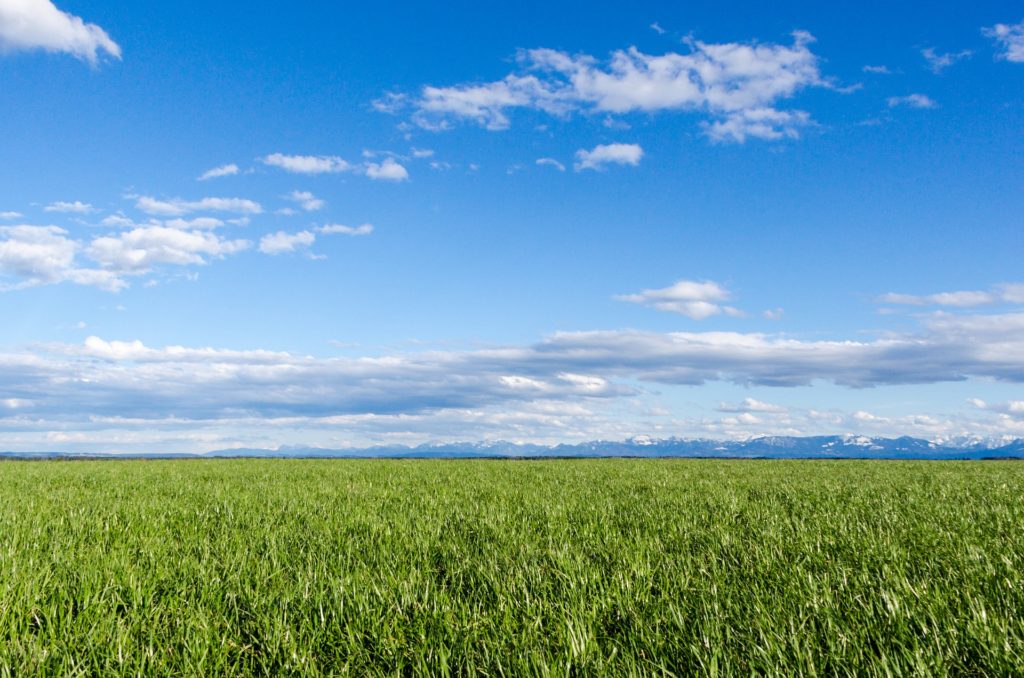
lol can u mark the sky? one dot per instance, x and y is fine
(229, 224)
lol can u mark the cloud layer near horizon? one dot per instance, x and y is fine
(132, 380)
(105, 395)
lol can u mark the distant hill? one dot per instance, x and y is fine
(766, 447)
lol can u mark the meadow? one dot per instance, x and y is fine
(558, 567)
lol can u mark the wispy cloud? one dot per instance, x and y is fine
(38, 24)
(76, 207)
(221, 171)
(1010, 39)
(176, 207)
(330, 229)
(388, 170)
(938, 61)
(550, 162)
(1007, 293)
(912, 101)
(308, 164)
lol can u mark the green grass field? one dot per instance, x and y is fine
(280, 567)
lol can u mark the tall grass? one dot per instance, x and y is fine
(660, 567)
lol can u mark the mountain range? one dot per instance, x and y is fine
(765, 447)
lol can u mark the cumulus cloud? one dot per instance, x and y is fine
(939, 62)
(141, 249)
(422, 153)
(10, 215)
(38, 24)
(388, 170)
(45, 255)
(332, 229)
(603, 155)
(283, 242)
(736, 84)
(877, 70)
(76, 207)
(694, 299)
(912, 101)
(177, 207)
(1010, 39)
(550, 162)
(306, 200)
(222, 171)
(1008, 293)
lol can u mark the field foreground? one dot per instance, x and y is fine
(668, 567)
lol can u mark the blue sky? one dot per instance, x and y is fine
(234, 224)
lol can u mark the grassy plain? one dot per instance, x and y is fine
(654, 567)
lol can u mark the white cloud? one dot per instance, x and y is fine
(605, 154)
(391, 102)
(657, 28)
(10, 215)
(330, 229)
(697, 300)
(117, 220)
(759, 123)
(730, 82)
(1009, 293)
(422, 153)
(306, 200)
(283, 242)
(194, 223)
(551, 162)
(141, 249)
(912, 101)
(1011, 407)
(773, 313)
(222, 171)
(389, 170)
(939, 62)
(308, 164)
(750, 405)
(76, 207)
(556, 385)
(38, 24)
(1010, 38)
(37, 254)
(177, 207)
(877, 70)
(45, 255)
